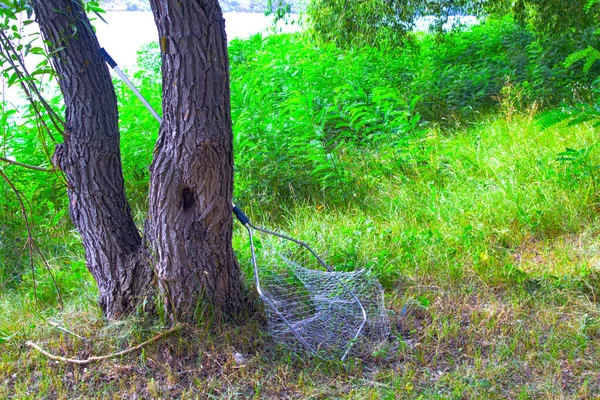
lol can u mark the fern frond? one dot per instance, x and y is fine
(548, 119)
(583, 117)
(589, 54)
(571, 115)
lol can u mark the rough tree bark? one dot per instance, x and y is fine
(189, 222)
(90, 158)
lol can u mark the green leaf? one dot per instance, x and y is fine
(5, 337)
(590, 55)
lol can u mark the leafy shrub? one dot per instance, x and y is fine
(139, 129)
(306, 118)
(42, 193)
(362, 23)
(321, 123)
(467, 71)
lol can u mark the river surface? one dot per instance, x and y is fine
(127, 31)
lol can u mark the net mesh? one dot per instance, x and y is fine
(311, 309)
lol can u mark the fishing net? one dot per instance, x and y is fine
(310, 308)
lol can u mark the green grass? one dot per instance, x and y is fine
(488, 252)
(486, 200)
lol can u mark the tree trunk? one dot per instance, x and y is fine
(189, 223)
(90, 158)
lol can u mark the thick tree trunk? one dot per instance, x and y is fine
(189, 222)
(90, 158)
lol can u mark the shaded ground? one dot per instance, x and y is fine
(472, 342)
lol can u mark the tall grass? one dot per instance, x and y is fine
(493, 202)
(488, 254)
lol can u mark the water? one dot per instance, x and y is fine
(422, 24)
(127, 31)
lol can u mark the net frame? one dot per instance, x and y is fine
(303, 313)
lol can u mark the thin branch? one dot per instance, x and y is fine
(33, 167)
(62, 328)
(23, 72)
(31, 243)
(7, 50)
(105, 357)
(24, 211)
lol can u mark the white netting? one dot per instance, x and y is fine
(311, 309)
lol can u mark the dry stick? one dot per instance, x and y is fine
(106, 357)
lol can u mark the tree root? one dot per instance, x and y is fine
(105, 357)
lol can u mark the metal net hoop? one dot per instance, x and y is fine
(310, 307)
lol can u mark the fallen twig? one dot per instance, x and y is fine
(105, 357)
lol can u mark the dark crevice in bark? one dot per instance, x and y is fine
(187, 199)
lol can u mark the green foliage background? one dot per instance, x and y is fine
(322, 125)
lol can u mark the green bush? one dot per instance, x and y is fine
(42, 193)
(318, 124)
(468, 71)
(308, 119)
